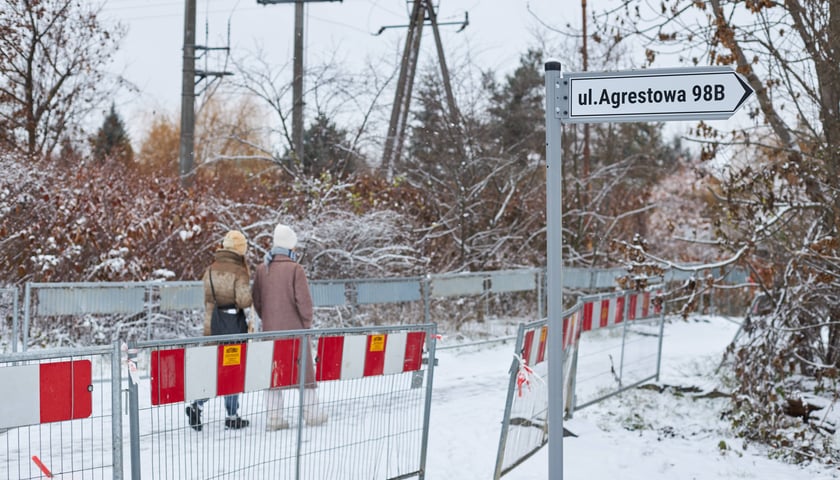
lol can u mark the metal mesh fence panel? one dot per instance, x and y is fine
(62, 416)
(619, 346)
(366, 418)
(9, 320)
(525, 419)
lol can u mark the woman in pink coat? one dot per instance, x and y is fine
(283, 302)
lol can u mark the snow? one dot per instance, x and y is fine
(639, 435)
(643, 434)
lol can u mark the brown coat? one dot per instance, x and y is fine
(231, 281)
(282, 300)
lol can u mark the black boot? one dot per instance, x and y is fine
(236, 422)
(194, 415)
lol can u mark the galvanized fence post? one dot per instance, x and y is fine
(573, 382)
(133, 415)
(432, 335)
(116, 411)
(27, 296)
(514, 368)
(427, 286)
(149, 301)
(15, 320)
(661, 337)
(626, 309)
(303, 360)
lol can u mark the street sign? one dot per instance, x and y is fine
(702, 93)
(655, 95)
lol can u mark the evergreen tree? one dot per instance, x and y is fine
(111, 140)
(326, 149)
(517, 122)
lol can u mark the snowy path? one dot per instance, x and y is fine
(642, 435)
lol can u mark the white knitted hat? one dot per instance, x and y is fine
(284, 237)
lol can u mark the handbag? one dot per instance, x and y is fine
(226, 319)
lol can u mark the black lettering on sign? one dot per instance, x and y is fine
(617, 99)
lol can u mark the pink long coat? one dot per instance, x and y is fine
(282, 300)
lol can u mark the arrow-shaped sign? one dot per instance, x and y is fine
(704, 93)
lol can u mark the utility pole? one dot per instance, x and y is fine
(422, 11)
(297, 85)
(402, 97)
(186, 151)
(586, 152)
(297, 74)
(450, 98)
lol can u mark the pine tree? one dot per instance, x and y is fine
(326, 149)
(111, 140)
(517, 122)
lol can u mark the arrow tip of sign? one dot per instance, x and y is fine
(748, 90)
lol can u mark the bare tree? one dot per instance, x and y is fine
(348, 101)
(52, 59)
(778, 209)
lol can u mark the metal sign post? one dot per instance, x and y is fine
(554, 264)
(704, 93)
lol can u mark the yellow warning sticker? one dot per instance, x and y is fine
(232, 355)
(543, 334)
(377, 343)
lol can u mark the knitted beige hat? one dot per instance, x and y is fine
(234, 240)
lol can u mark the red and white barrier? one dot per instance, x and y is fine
(356, 356)
(46, 392)
(608, 312)
(533, 346)
(572, 327)
(192, 373)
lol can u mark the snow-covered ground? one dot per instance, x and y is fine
(640, 435)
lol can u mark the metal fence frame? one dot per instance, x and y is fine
(52, 433)
(12, 292)
(389, 442)
(622, 387)
(49, 455)
(529, 362)
(533, 422)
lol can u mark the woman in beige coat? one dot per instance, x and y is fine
(229, 288)
(283, 302)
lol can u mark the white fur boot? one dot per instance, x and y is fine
(274, 406)
(312, 413)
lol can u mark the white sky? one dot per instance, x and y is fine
(499, 31)
(151, 54)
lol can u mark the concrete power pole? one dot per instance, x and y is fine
(297, 85)
(189, 80)
(186, 152)
(297, 80)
